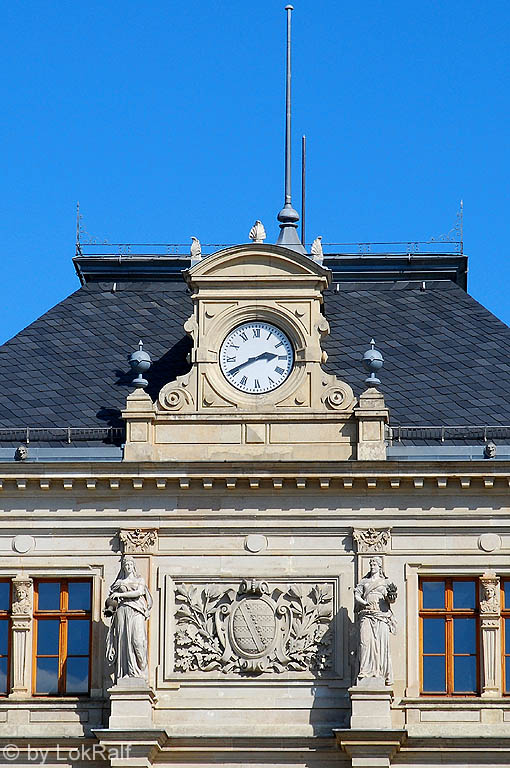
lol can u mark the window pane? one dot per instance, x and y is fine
(434, 679)
(4, 636)
(3, 675)
(79, 595)
(507, 674)
(464, 674)
(506, 590)
(464, 594)
(507, 637)
(47, 676)
(433, 594)
(49, 595)
(47, 637)
(5, 596)
(78, 633)
(464, 636)
(77, 680)
(433, 636)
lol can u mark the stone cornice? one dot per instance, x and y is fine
(452, 476)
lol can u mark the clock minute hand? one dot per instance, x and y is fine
(262, 356)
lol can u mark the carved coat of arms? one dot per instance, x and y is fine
(253, 629)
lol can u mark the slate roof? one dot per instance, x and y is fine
(446, 358)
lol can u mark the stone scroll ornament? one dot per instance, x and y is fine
(373, 598)
(128, 604)
(256, 628)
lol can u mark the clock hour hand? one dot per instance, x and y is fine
(262, 356)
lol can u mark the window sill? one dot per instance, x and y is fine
(446, 702)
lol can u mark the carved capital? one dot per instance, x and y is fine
(138, 541)
(371, 540)
(21, 600)
(489, 623)
(489, 594)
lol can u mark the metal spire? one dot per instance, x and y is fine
(288, 216)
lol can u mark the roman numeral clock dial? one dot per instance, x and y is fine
(256, 357)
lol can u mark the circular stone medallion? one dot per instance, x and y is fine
(23, 543)
(489, 542)
(255, 542)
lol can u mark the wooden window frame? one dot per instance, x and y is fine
(449, 613)
(6, 616)
(505, 614)
(63, 614)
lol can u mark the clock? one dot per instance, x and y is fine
(256, 357)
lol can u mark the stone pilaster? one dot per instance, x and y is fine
(490, 628)
(21, 628)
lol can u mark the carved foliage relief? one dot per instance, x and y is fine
(371, 540)
(253, 628)
(138, 541)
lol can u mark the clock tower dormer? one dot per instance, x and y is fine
(256, 389)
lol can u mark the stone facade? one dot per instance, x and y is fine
(298, 588)
(251, 522)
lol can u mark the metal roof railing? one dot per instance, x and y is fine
(61, 434)
(400, 432)
(437, 246)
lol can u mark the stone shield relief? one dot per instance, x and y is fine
(253, 628)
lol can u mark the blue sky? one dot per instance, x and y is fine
(165, 120)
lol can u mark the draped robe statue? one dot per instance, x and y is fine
(373, 597)
(129, 604)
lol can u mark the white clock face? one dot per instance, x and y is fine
(256, 357)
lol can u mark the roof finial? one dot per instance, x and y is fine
(140, 362)
(78, 222)
(257, 232)
(316, 250)
(372, 361)
(288, 216)
(195, 251)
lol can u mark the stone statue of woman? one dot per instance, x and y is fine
(373, 597)
(129, 604)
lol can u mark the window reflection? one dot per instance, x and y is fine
(433, 594)
(62, 625)
(449, 633)
(48, 596)
(464, 594)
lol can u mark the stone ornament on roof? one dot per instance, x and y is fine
(316, 250)
(195, 251)
(257, 232)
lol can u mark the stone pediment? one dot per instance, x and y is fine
(257, 261)
(253, 306)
